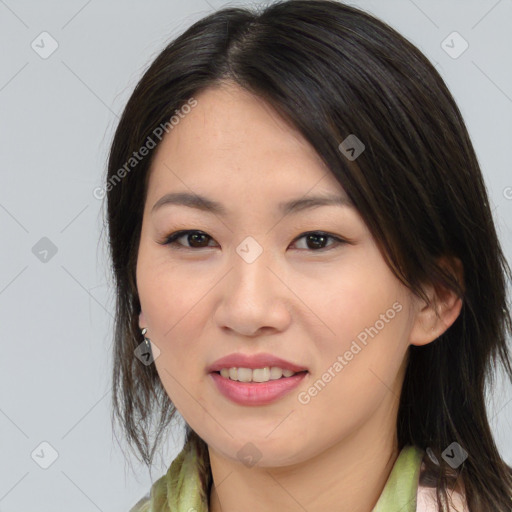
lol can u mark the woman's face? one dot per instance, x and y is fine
(251, 282)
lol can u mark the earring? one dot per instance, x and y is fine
(147, 340)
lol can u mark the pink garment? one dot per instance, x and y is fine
(426, 496)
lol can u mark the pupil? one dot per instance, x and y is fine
(315, 238)
(194, 236)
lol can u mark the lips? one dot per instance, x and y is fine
(256, 393)
(253, 361)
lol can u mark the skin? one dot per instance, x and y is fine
(299, 302)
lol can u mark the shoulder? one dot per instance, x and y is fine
(155, 500)
(426, 498)
(143, 505)
(427, 501)
(187, 481)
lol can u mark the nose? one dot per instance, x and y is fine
(254, 299)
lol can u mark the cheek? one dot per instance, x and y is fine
(171, 310)
(354, 378)
(359, 297)
(181, 363)
(365, 310)
(167, 291)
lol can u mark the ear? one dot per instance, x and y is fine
(142, 320)
(432, 320)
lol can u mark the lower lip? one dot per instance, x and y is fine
(256, 393)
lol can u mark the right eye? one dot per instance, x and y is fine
(195, 238)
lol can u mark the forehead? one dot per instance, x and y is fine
(233, 140)
(227, 117)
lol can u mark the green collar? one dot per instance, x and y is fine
(185, 485)
(401, 487)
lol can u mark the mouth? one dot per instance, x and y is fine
(255, 379)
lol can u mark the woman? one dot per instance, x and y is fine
(307, 270)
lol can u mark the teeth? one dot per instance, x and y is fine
(244, 374)
(261, 374)
(256, 375)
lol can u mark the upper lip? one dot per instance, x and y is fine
(253, 361)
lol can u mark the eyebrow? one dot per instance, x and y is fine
(208, 205)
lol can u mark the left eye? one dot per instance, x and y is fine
(190, 235)
(199, 239)
(319, 238)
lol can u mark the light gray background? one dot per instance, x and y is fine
(57, 117)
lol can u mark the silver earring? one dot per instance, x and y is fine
(147, 340)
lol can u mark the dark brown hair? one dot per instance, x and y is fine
(332, 70)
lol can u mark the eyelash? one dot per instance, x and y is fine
(173, 237)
